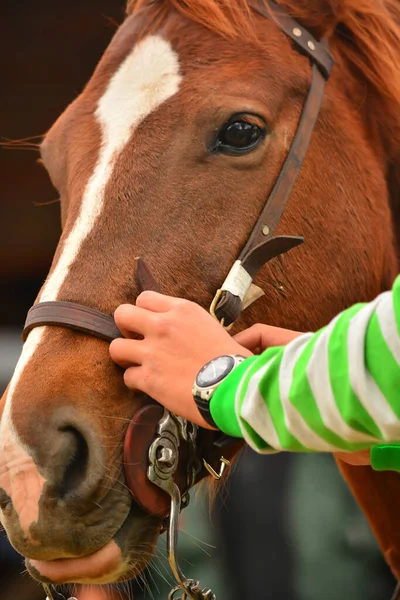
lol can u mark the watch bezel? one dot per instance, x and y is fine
(221, 377)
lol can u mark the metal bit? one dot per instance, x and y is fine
(50, 596)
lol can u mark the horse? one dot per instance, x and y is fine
(169, 153)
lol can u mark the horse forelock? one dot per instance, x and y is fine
(364, 33)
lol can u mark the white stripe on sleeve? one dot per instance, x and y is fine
(320, 384)
(363, 384)
(294, 421)
(387, 323)
(255, 411)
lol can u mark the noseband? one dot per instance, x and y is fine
(167, 456)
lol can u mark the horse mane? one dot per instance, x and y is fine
(365, 34)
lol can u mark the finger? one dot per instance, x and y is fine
(156, 302)
(134, 378)
(133, 321)
(249, 338)
(126, 352)
(265, 336)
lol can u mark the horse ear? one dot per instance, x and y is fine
(378, 495)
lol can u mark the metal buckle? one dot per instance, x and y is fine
(213, 306)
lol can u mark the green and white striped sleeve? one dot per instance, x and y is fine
(335, 390)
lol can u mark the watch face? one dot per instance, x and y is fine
(214, 371)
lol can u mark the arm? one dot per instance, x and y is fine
(338, 389)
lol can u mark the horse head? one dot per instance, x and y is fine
(169, 153)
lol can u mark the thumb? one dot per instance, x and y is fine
(261, 336)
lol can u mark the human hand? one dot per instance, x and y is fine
(179, 337)
(259, 337)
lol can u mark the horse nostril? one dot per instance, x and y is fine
(77, 466)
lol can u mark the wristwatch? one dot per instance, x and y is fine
(209, 378)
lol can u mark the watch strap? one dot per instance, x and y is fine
(204, 409)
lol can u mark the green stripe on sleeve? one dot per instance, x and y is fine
(382, 366)
(301, 396)
(270, 390)
(396, 302)
(349, 405)
(222, 403)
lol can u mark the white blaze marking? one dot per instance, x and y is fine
(147, 77)
(18, 475)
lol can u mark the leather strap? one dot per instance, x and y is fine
(83, 318)
(141, 432)
(261, 236)
(266, 251)
(145, 277)
(72, 316)
(261, 246)
(304, 41)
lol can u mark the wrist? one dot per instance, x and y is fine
(224, 404)
(208, 380)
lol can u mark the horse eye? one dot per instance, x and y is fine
(239, 137)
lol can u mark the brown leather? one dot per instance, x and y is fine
(72, 316)
(305, 42)
(140, 435)
(261, 246)
(145, 277)
(83, 318)
(268, 250)
(277, 200)
(230, 306)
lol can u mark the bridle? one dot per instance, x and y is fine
(164, 455)
(167, 456)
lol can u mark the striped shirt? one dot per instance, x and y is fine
(335, 390)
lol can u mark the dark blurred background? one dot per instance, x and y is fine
(48, 51)
(286, 528)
